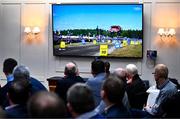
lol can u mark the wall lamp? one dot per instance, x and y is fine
(34, 30)
(31, 33)
(166, 33)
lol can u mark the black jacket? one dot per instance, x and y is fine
(65, 83)
(136, 93)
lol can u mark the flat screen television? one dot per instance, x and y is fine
(98, 30)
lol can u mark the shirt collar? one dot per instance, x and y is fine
(87, 115)
(10, 78)
(101, 75)
(107, 108)
(162, 85)
(11, 106)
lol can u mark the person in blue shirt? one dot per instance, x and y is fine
(8, 67)
(166, 90)
(95, 83)
(166, 87)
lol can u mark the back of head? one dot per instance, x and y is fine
(70, 69)
(46, 104)
(97, 66)
(19, 91)
(107, 66)
(161, 71)
(9, 65)
(80, 97)
(120, 73)
(114, 89)
(131, 69)
(21, 72)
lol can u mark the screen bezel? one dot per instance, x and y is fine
(100, 4)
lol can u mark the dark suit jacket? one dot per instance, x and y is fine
(65, 83)
(18, 111)
(116, 111)
(3, 95)
(136, 93)
(36, 86)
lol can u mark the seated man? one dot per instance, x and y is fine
(80, 102)
(121, 74)
(135, 88)
(71, 77)
(46, 105)
(166, 87)
(112, 93)
(23, 72)
(95, 83)
(8, 67)
(18, 95)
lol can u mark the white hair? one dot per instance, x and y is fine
(21, 71)
(132, 69)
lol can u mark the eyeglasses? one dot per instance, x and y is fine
(154, 73)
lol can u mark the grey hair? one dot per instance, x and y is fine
(132, 69)
(21, 72)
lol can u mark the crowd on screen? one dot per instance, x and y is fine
(117, 94)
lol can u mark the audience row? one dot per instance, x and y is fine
(120, 94)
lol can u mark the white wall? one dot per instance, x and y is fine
(38, 54)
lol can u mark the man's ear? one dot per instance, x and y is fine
(92, 73)
(9, 99)
(64, 73)
(69, 107)
(7, 95)
(103, 94)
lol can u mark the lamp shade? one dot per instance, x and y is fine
(172, 32)
(27, 29)
(36, 30)
(161, 31)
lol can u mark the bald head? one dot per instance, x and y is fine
(120, 72)
(70, 65)
(70, 69)
(161, 71)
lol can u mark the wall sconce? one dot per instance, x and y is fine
(36, 30)
(27, 30)
(31, 34)
(166, 33)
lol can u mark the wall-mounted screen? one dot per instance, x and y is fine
(98, 30)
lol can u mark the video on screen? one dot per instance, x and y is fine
(105, 30)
